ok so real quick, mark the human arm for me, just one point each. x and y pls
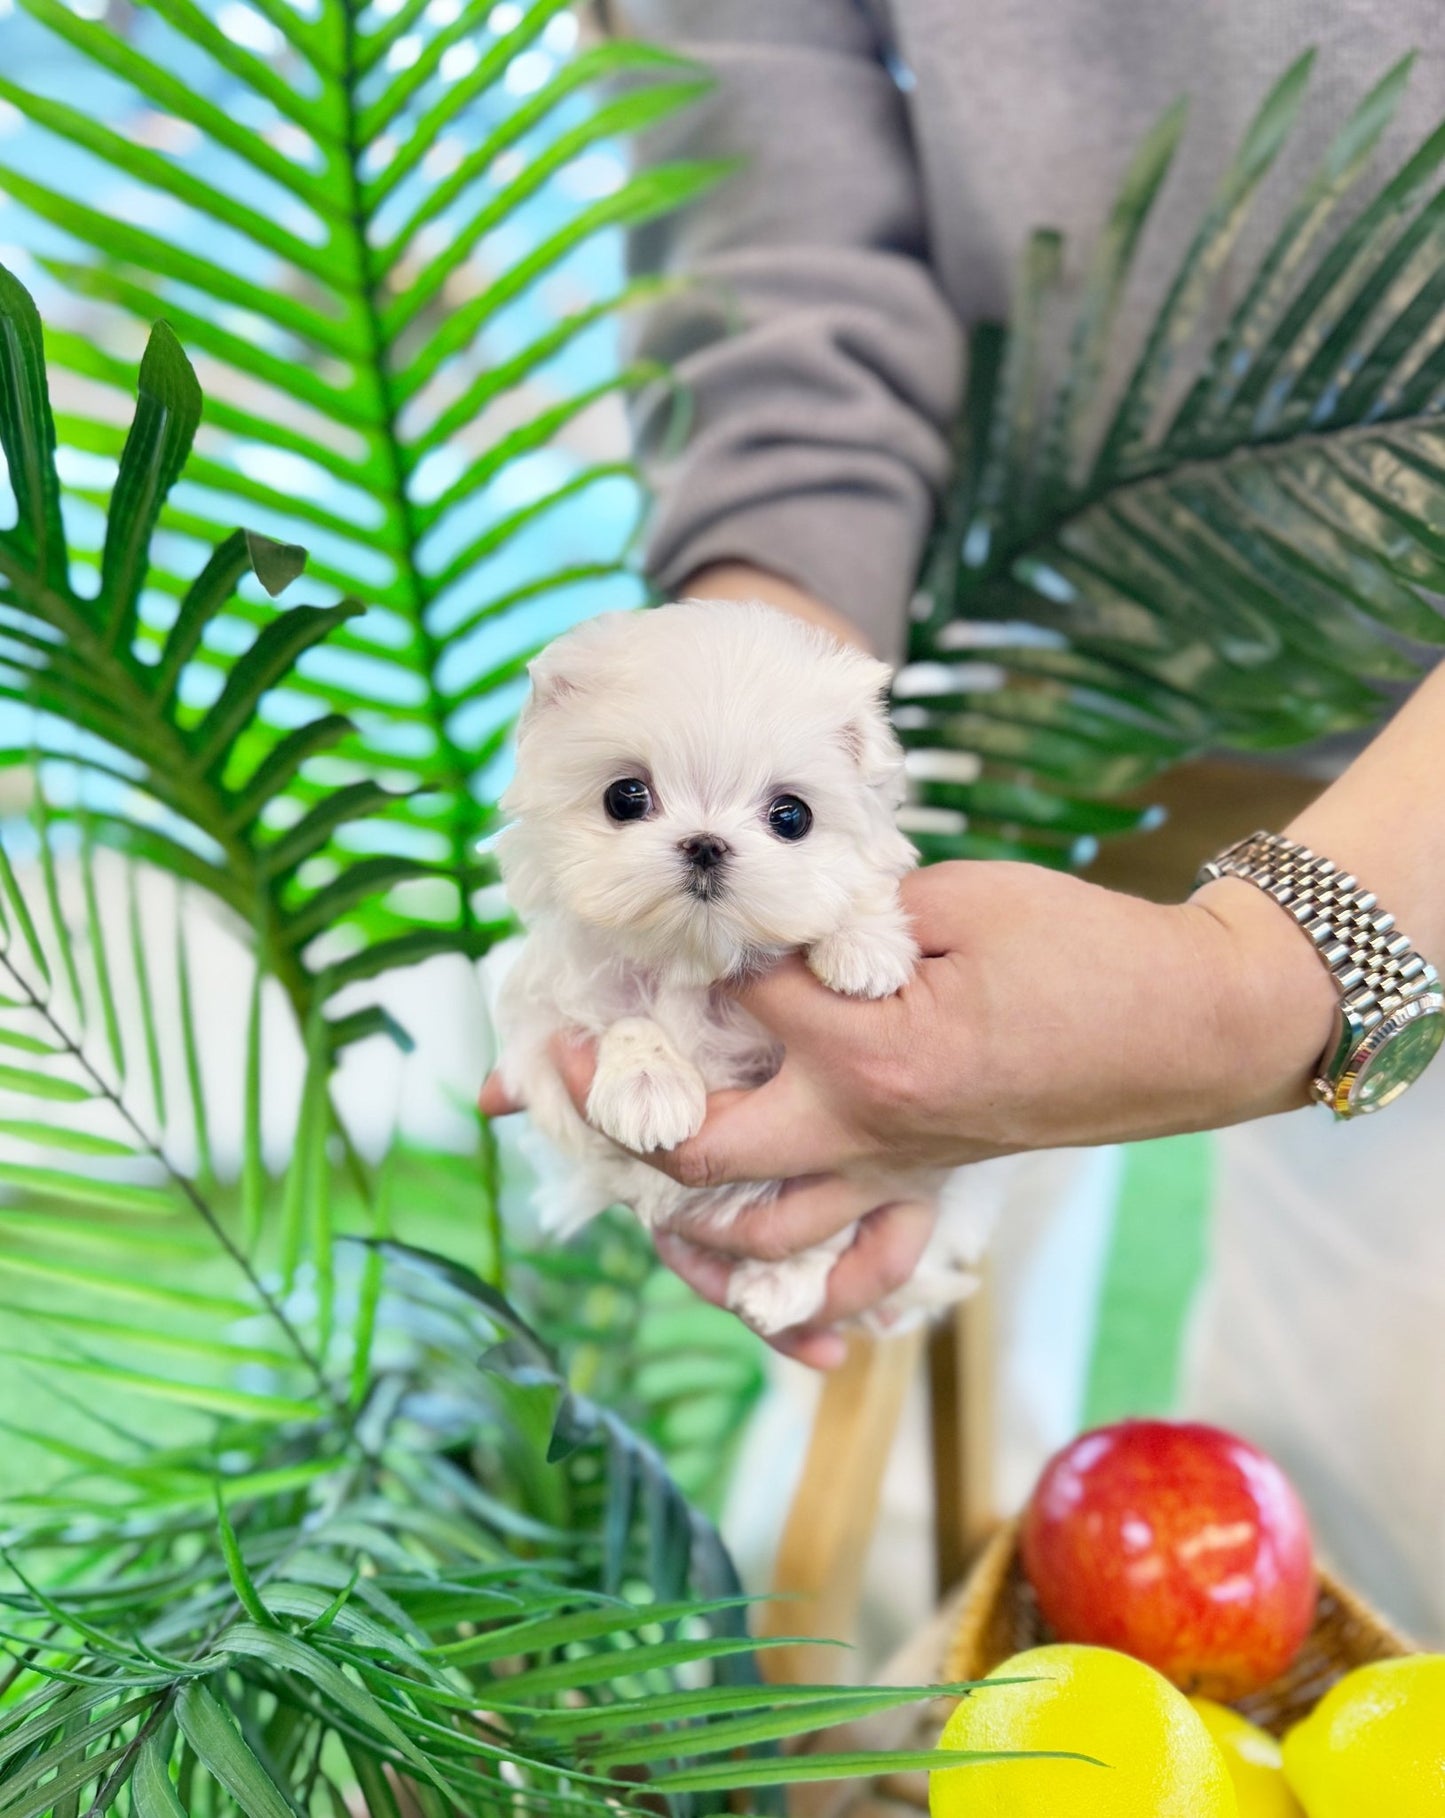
(818, 358)
(1048, 1012)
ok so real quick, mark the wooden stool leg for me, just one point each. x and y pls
(819, 1570)
(960, 1381)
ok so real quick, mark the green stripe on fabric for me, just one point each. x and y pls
(1155, 1264)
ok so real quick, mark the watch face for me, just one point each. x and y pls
(1398, 1062)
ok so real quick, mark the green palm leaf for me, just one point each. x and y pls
(1236, 552)
(378, 1541)
(212, 772)
(370, 211)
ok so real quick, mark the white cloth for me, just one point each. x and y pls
(1321, 1333)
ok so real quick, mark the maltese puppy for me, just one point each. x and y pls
(699, 790)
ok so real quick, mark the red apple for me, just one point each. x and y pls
(1179, 1544)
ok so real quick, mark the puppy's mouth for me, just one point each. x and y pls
(703, 886)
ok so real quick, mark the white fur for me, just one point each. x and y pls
(719, 707)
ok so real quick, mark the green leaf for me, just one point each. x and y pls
(27, 432)
(275, 565)
(208, 1397)
(153, 1792)
(1239, 577)
(1233, 355)
(140, 969)
(803, 1769)
(1211, 246)
(1003, 473)
(167, 414)
(221, 1750)
(351, 802)
(734, 1730)
(85, 1189)
(289, 1654)
(76, 1775)
(241, 1580)
(99, 953)
(211, 592)
(268, 661)
(15, 897)
(1063, 462)
(27, 1081)
(190, 1045)
(253, 1164)
(277, 771)
(64, 1136)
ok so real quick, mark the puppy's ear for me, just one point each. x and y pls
(570, 663)
(867, 733)
(553, 676)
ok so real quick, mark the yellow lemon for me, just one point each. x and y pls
(1374, 1743)
(1254, 1760)
(1158, 1759)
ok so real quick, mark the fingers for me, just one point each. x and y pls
(769, 1132)
(495, 1100)
(881, 1259)
(576, 1062)
(804, 1214)
(705, 1271)
(776, 1131)
(707, 1274)
(818, 1350)
(795, 1006)
(941, 899)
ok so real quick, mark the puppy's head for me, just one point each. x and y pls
(704, 783)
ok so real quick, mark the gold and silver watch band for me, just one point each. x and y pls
(1378, 973)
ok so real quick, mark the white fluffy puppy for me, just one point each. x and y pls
(699, 789)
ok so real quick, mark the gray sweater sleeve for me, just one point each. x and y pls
(821, 361)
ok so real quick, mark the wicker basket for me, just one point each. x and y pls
(998, 1616)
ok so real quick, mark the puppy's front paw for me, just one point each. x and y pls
(865, 962)
(655, 1107)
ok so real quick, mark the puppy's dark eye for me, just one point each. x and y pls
(789, 817)
(628, 800)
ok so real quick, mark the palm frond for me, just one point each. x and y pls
(298, 1613)
(356, 216)
(330, 1533)
(684, 1376)
(193, 778)
(1238, 550)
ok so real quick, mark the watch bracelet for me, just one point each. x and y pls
(1375, 967)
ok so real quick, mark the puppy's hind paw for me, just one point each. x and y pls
(865, 962)
(773, 1297)
(655, 1108)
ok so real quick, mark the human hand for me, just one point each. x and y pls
(1045, 1012)
(891, 1234)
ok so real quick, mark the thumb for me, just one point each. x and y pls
(495, 1100)
(795, 1006)
(776, 1131)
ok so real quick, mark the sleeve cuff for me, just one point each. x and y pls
(857, 553)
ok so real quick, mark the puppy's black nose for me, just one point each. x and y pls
(704, 851)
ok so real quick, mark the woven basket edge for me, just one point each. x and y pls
(967, 1656)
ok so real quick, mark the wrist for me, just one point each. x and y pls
(744, 581)
(1274, 1005)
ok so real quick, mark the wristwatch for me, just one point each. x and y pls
(1391, 1018)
